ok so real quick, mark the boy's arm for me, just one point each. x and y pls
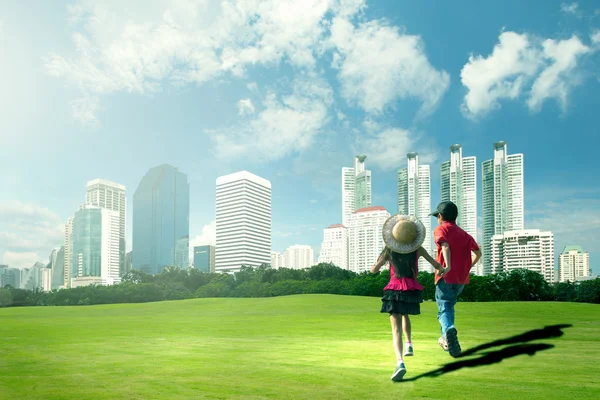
(476, 257)
(423, 253)
(446, 253)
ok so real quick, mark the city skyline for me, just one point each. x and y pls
(292, 111)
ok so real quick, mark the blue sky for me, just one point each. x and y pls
(291, 91)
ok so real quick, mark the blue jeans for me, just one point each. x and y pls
(446, 296)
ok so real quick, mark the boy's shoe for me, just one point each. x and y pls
(399, 373)
(409, 351)
(452, 340)
(443, 344)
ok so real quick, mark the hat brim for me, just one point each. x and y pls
(434, 214)
(393, 244)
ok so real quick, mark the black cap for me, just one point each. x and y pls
(448, 209)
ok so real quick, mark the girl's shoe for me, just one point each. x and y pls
(409, 351)
(399, 373)
(443, 344)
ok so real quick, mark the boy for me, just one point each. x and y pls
(454, 247)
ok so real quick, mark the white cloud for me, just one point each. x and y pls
(26, 231)
(387, 148)
(570, 8)
(499, 76)
(85, 111)
(208, 237)
(284, 125)
(595, 36)
(517, 62)
(245, 107)
(379, 65)
(558, 78)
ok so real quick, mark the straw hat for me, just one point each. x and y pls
(403, 233)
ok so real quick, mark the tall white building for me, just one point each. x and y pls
(243, 221)
(106, 194)
(531, 249)
(458, 180)
(573, 263)
(414, 196)
(94, 247)
(334, 248)
(365, 239)
(356, 188)
(276, 260)
(503, 197)
(67, 270)
(298, 257)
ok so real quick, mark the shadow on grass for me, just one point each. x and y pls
(493, 357)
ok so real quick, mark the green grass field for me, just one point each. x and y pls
(293, 347)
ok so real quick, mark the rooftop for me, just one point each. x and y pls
(369, 209)
(335, 226)
(105, 182)
(577, 248)
(243, 175)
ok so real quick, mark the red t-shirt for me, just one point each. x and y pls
(461, 244)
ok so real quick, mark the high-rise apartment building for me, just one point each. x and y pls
(334, 248)
(414, 197)
(161, 219)
(573, 263)
(276, 260)
(57, 266)
(67, 256)
(182, 253)
(530, 249)
(356, 188)
(298, 257)
(365, 239)
(95, 247)
(243, 221)
(106, 194)
(502, 198)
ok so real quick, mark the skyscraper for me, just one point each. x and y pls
(356, 188)
(95, 246)
(182, 253)
(276, 260)
(365, 239)
(110, 195)
(57, 264)
(458, 179)
(573, 263)
(161, 210)
(502, 197)
(334, 248)
(243, 221)
(67, 270)
(414, 197)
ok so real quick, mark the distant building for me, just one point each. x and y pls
(356, 188)
(334, 248)
(503, 198)
(182, 253)
(57, 267)
(573, 264)
(110, 195)
(128, 261)
(95, 246)
(161, 211)
(298, 257)
(414, 198)
(243, 221)
(204, 258)
(10, 276)
(276, 260)
(32, 278)
(531, 249)
(67, 256)
(365, 239)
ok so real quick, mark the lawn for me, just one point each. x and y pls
(292, 347)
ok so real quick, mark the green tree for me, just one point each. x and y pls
(5, 297)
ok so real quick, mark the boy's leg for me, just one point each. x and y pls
(445, 298)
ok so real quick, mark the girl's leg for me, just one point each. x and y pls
(406, 327)
(396, 320)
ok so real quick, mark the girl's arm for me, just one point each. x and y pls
(423, 253)
(383, 258)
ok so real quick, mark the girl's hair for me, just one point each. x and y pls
(404, 264)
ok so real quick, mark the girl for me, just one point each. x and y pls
(403, 236)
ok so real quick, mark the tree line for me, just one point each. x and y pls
(177, 284)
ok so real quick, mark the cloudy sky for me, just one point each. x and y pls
(292, 90)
